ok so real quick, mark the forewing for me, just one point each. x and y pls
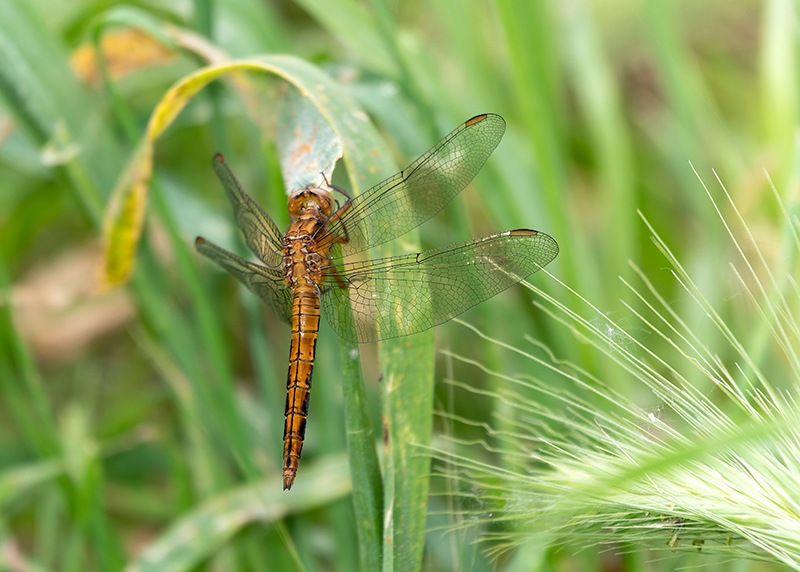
(264, 282)
(260, 233)
(403, 295)
(412, 196)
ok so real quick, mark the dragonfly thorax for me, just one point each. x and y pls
(310, 202)
(303, 257)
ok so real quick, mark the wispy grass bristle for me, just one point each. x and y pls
(708, 461)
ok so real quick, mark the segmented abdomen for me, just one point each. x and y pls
(305, 326)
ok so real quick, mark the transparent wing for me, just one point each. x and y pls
(403, 295)
(412, 196)
(264, 282)
(260, 233)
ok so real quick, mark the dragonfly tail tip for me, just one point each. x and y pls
(288, 479)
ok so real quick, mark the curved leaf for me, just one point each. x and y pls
(200, 533)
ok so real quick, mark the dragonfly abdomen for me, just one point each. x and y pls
(305, 327)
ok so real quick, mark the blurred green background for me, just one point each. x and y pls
(125, 414)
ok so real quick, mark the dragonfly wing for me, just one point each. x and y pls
(264, 282)
(403, 295)
(412, 196)
(260, 233)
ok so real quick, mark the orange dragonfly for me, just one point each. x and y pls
(371, 300)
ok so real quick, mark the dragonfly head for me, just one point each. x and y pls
(311, 200)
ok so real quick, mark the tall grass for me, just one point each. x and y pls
(146, 422)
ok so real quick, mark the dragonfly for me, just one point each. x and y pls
(310, 269)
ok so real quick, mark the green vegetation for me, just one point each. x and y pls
(636, 409)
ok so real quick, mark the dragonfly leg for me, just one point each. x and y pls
(334, 238)
(335, 188)
(332, 271)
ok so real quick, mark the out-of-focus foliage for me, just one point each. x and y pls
(129, 416)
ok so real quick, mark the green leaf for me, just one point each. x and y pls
(16, 482)
(307, 144)
(201, 533)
